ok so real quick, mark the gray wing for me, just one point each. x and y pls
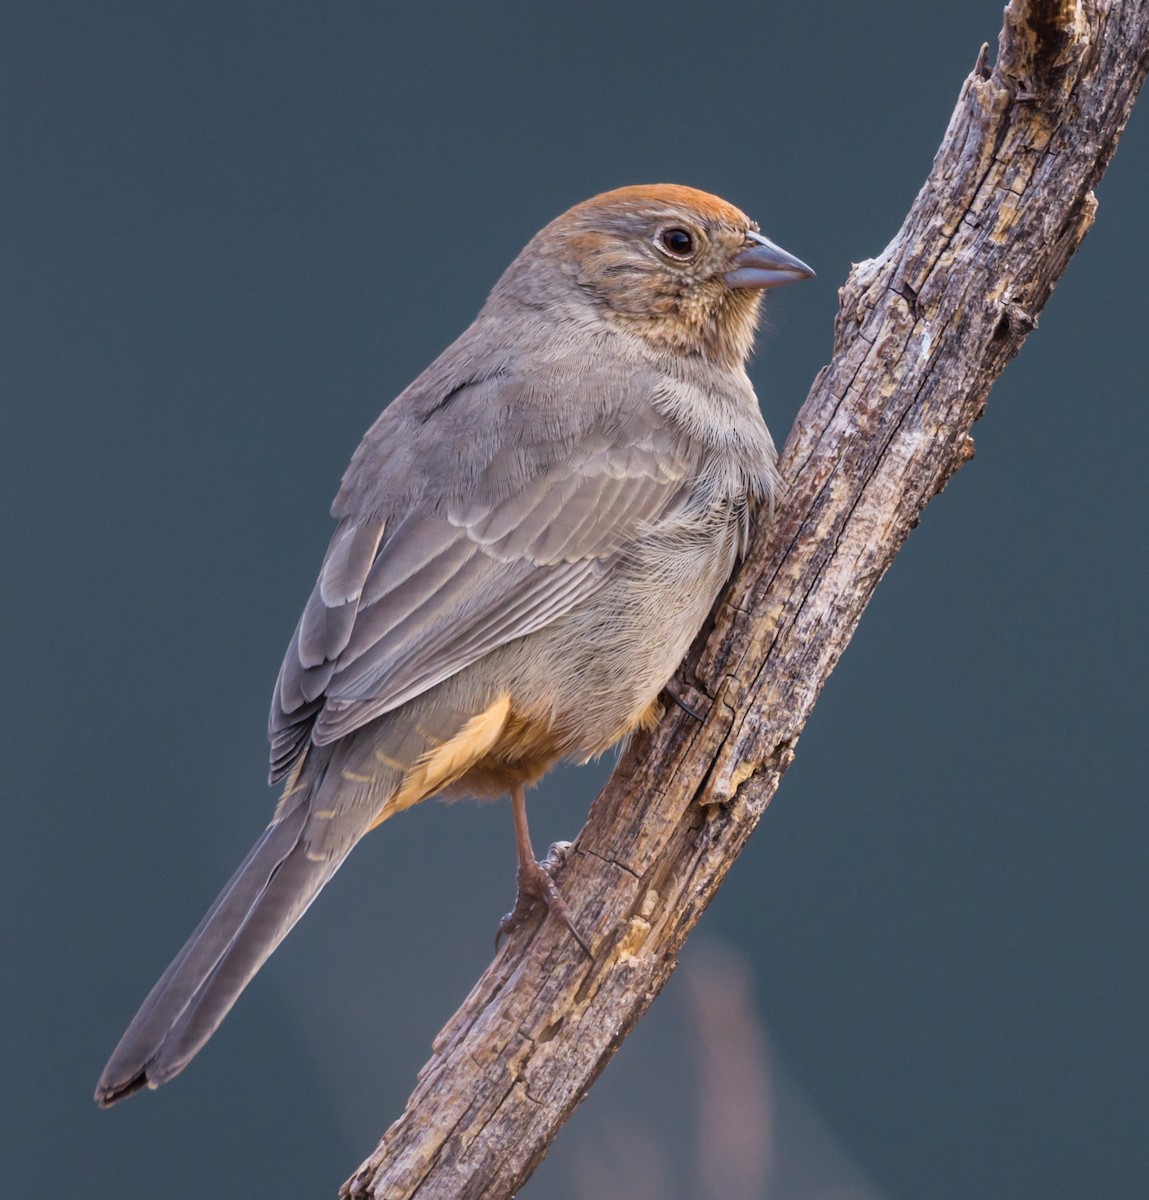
(408, 597)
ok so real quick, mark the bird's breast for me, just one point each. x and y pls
(593, 676)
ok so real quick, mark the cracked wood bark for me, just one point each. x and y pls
(923, 331)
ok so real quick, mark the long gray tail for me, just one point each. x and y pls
(265, 897)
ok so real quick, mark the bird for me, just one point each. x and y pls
(528, 540)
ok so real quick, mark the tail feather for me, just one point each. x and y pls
(339, 795)
(272, 889)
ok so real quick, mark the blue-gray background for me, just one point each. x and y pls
(230, 233)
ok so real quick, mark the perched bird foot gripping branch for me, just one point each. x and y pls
(534, 881)
(528, 540)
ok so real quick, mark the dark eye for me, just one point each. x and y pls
(679, 242)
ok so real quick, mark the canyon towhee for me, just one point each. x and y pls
(529, 539)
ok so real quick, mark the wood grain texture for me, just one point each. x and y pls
(922, 333)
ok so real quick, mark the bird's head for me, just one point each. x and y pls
(679, 268)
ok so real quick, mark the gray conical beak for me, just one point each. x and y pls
(763, 265)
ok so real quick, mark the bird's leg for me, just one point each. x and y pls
(534, 882)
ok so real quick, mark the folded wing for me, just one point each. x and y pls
(408, 598)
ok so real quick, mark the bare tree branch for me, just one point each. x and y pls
(923, 331)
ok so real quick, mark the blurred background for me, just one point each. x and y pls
(230, 233)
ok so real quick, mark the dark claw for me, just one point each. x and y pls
(533, 886)
(682, 704)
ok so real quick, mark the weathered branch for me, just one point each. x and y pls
(923, 331)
